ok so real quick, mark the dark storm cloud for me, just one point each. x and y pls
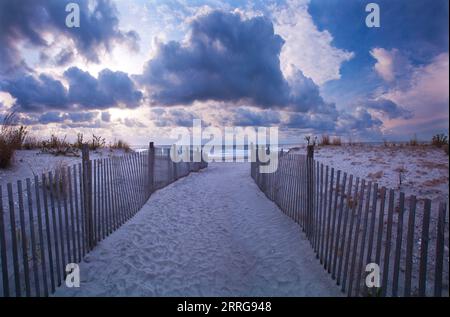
(50, 117)
(173, 117)
(42, 93)
(87, 117)
(64, 57)
(244, 117)
(388, 108)
(319, 123)
(28, 21)
(227, 58)
(111, 88)
(34, 93)
(359, 120)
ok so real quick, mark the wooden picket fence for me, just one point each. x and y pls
(351, 222)
(57, 218)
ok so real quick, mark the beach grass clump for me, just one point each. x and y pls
(120, 145)
(11, 139)
(325, 140)
(439, 140)
(413, 141)
(336, 141)
(58, 146)
(97, 142)
(31, 143)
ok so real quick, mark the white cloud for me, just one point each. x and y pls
(425, 92)
(390, 64)
(307, 48)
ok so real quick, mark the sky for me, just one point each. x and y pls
(137, 69)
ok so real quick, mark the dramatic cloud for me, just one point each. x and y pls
(227, 58)
(388, 108)
(31, 21)
(425, 94)
(64, 57)
(359, 122)
(173, 117)
(319, 123)
(59, 117)
(110, 89)
(244, 117)
(390, 64)
(306, 48)
(36, 93)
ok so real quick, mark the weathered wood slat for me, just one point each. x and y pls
(64, 192)
(23, 238)
(324, 217)
(350, 236)
(48, 227)
(380, 225)
(353, 266)
(58, 265)
(77, 212)
(34, 255)
(440, 245)
(72, 216)
(410, 246)
(361, 263)
(339, 223)
(3, 253)
(329, 212)
(398, 245)
(387, 250)
(57, 187)
(333, 224)
(12, 220)
(41, 235)
(424, 248)
(344, 239)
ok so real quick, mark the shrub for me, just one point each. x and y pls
(31, 143)
(325, 140)
(439, 140)
(97, 142)
(120, 145)
(79, 142)
(11, 139)
(57, 146)
(414, 141)
(59, 182)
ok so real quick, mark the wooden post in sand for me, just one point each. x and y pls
(151, 167)
(87, 195)
(310, 189)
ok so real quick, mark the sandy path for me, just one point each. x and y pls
(210, 234)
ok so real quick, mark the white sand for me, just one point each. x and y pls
(424, 169)
(27, 163)
(212, 233)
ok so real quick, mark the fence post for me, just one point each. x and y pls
(174, 165)
(310, 188)
(151, 167)
(87, 192)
